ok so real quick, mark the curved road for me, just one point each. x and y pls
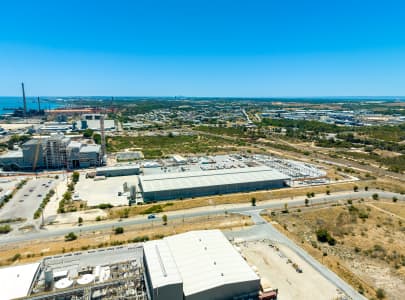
(275, 204)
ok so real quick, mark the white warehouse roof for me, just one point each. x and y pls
(172, 181)
(161, 264)
(16, 281)
(205, 260)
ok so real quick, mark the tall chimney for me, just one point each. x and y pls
(25, 101)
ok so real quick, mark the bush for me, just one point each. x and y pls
(5, 229)
(323, 236)
(75, 176)
(355, 188)
(105, 205)
(394, 199)
(119, 230)
(98, 218)
(253, 201)
(80, 220)
(380, 293)
(15, 257)
(70, 237)
(375, 196)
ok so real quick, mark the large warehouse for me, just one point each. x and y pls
(204, 183)
(198, 265)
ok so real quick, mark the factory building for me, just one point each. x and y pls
(92, 121)
(198, 265)
(53, 152)
(204, 183)
(119, 170)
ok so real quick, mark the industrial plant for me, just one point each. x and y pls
(56, 151)
(155, 270)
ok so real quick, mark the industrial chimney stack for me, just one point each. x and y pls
(25, 100)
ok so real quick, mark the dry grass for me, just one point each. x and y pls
(33, 250)
(394, 208)
(370, 252)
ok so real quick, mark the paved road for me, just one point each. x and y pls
(275, 204)
(264, 230)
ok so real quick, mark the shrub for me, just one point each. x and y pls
(105, 205)
(355, 188)
(119, 230)
(80, 220)
(375, 196)
(394, 199)
(70, 237)
(15, 257)
(5, 229)
(380, 293)
(253, 201)
(324, 236)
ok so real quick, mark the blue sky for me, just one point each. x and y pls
(203, 48)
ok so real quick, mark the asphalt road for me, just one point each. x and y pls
(49, 233)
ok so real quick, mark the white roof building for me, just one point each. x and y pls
(203, 183)
(16, 281)
(208, 265)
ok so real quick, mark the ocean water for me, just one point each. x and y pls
(32, 103)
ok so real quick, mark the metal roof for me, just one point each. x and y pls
(204, 259)
(173, 181)
(88, 148)
(16, 281)
(161, 265)
(118, 167)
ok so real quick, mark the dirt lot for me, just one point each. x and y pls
(31, 251)
(370, 249)
(274, 263)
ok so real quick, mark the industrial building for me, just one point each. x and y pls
(167, 186)
(118, 170)
(53, 152)
(189, 266)
(198, 265)
(17, 281)
(92, 121)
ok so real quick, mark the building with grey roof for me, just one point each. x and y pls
(205, 183)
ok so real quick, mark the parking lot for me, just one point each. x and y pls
(27, 200)
(96, 192)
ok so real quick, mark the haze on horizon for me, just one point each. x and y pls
(203, 48)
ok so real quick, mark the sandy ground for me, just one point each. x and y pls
(271, 263)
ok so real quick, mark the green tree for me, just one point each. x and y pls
(88, 133)
(366, 188)
(164, 219)
(394, 199)
(119, 230)
(380, 293)
(97, 138)
(355, 188)
(375, 196)
(75, 176)
(327, 192)
(80, 220)
(71, 236)
(306, 202)
(253, 201)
